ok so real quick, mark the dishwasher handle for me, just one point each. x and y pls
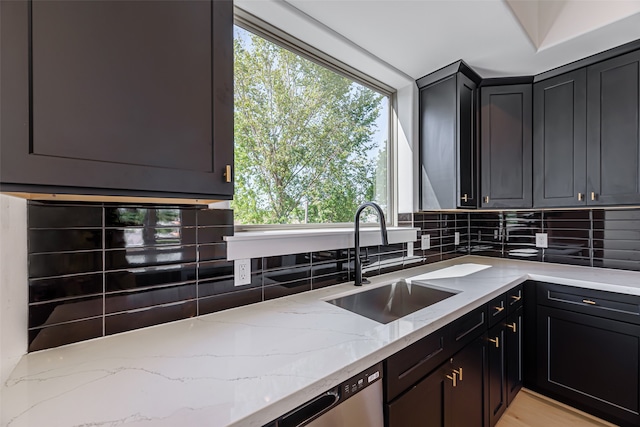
(311, 410)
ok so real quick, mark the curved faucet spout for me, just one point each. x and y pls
(383, 231)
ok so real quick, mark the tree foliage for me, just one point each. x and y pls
(303, 136)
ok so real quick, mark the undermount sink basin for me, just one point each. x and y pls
(388, 303)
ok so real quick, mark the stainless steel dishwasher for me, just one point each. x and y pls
(356, 402)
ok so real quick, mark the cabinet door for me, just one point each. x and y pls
(448, 154)
(559, 140)
(590, 363)
(464, 404)
(437, 145)
(422, 405)
(466, 146)
(496, 348)
(505, 146)
(613, 131)
(118, 97)
(513, 349)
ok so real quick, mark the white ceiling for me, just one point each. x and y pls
(412, 38)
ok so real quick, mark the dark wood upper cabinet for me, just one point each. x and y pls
(613, 131)
(448, 146)
(117, 98)
(505, 146)
(559, 140)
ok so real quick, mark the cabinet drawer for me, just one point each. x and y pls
(409, 365)
(467, 328)
(515, 299)
(605, 304)
(497, 308)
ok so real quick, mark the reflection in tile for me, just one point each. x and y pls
(124, 301)
(286, 275)
(329, 256)
(623, 245)
(572, 215)
(559, 259)
(55, 336)
(213, 269)
(213, 234)
(53, 215)
(212, 252)
(128, 216)
(616, 234)
(226, 284)
(229, 300)
(318, 282)
(58, 264)
(289, 288)
(61, 311)
(208, 217)
(116, 259)
(329, 268)
(614, 254)
(64, 287)
(62, 240)
(391, 267)
(281, 261)
(123, 322)
(617, 263)
(145, 237)
(137, 278)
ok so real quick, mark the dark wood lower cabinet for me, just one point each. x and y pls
(514, 349)
(421, 405)
(497, 378)
(590, 363)
(464, 401)
(504, 372)
(451, 396)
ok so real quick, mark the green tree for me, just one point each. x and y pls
(303, 135)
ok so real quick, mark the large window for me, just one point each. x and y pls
(310, 143)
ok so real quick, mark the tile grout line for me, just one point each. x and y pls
(197, 216)
(591, 237)
(104, 278)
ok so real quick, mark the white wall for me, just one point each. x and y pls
(407, 101)
(13, 283)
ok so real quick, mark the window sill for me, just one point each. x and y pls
(256, 244)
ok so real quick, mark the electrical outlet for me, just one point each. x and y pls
(425, 242)
(456, 238)
(541, 240)
(242, 272)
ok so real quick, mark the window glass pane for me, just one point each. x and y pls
(310, 144)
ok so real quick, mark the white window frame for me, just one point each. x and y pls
(273, 34)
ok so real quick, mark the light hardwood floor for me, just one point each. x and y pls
(530, 409)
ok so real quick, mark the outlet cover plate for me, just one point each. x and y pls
(242, 272)
(456, 238)
(425, 241)
(541, 240)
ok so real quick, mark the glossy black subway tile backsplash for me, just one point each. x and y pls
(96, 269)
(607, 238)
(99, 269)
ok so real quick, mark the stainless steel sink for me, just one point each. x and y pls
(388, 303)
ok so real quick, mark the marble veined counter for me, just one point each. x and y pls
(247, 366)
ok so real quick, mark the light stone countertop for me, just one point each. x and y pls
(249, 365)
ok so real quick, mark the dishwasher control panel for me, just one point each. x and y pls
(360, 381)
